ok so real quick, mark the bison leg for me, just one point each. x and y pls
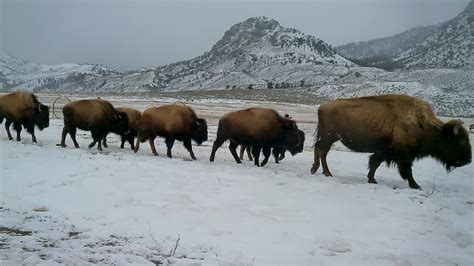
(256, 155)
(189, 147)
(72, 133)
(130, 139)
(217, 143)
(137, 145)
(33, 137)
(233, 151)
(169, 145)
(249, 153)
(326, 171)
(374, 162)
(151, 140)
(122, 144)
(17, 127)
(104, 141)
(97, 138)
(316, 162)
(242, 151)
(7, 128)
(404, 168)
(266, 152)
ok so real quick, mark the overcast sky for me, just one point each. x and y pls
(130, 34)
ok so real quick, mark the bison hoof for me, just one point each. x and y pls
(415, 186)
(61, 145)
(10, 138)
(372, 181)
(328, 174)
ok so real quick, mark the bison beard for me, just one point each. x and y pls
(397, 129)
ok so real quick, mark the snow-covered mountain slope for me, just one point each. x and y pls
(15, 72)
(256, 51)
(450, 46)
(446, 45)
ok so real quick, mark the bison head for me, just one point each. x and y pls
(42, 116)
(454, 149)
(294, 138)
(120, 124)
(199, 131)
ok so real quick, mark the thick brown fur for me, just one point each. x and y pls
(23, 109)
(172, 122)
(397, 129)
(259, 128)
(97, 116)
(133, 121)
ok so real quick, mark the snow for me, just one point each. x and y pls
(116, 207)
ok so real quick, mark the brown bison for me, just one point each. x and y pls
(97, 116)
(133, 120)
(395, 128)
(259, 128)
(172, 122)
(278, 153)
(23, 109)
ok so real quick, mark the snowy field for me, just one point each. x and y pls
(79, 206)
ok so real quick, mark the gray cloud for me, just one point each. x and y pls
(131, 34)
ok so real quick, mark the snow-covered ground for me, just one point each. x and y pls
(79, 206)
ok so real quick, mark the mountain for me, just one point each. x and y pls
(256, 51)
(446, 45)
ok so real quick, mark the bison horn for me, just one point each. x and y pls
(457, 127)
(39, 108)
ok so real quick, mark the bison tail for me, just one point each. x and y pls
(317, 136)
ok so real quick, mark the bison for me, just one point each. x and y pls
(23, 109)
(278, 153)
(133, 120)
(396, 129)
(97, 116)
(259, 128)
(172, 122)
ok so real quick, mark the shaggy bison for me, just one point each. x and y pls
(97, 116)
(278, 153)
(259, 128)
(23, 109)
(172, 122)
(395, 128)
(133, 120)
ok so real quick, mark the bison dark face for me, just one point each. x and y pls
(199, 131)
(42, 116)
(120, 124)
(455, 149)
(294, 141)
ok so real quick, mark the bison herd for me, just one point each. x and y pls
(396, 129)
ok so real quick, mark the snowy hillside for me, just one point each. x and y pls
(256, 51)
(78, 206)
(446, 45)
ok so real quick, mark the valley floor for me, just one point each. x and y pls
(81, 206)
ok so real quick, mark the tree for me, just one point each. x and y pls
(270, 85)
(302, 83)
(250, 87)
